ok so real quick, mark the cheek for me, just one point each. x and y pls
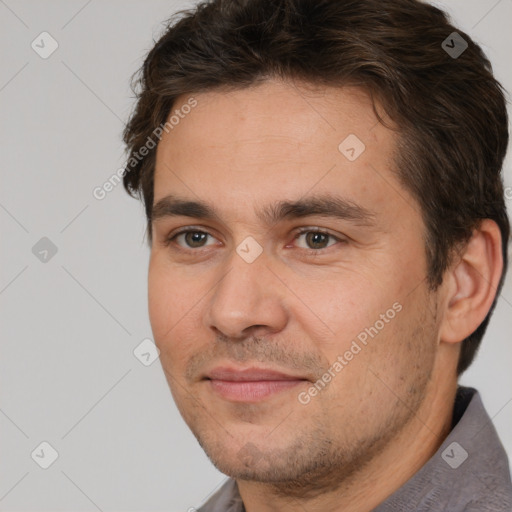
(390, 370)
(401, 356)
(368, 327)
(173, 303)
(160, 302)
(335, 309)
(168, 300)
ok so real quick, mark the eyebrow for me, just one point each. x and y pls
(323, 206)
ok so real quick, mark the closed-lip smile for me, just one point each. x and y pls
(250, 384)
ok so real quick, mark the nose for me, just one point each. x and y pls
(248, 300)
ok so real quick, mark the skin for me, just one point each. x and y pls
(299, 306)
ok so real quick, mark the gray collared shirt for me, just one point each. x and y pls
(469, 472)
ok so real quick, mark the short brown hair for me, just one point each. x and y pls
(450, 110)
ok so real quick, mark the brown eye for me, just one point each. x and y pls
(195, 238)
(190, 239)
(316, 240)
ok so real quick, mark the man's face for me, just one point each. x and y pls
(219, 306)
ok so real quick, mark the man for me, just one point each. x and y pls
(328, 237)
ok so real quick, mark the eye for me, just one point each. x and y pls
(190, 239)
(315, 239)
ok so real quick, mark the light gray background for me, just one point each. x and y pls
(70, 325)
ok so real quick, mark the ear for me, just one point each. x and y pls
(472, 283)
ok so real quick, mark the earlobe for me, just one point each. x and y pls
(472, 283)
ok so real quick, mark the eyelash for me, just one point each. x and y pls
(169, 240)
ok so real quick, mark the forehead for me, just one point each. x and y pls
(279, 112)
(273, 141)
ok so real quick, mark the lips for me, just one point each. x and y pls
(248, 375)
(250, 384)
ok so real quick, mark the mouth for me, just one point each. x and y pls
(250, 384)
